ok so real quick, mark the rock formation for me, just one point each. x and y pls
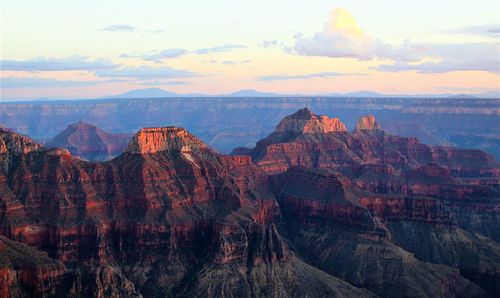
(152, 140)
(367, 123)
(304, 121)
(313, 210)
(88, 142)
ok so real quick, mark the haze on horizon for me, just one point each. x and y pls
(75, 49)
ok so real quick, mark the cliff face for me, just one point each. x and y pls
(89, 142)
(152, 140)
(305, 121)
(393, 187)
(320, 213)
(13, 143)
(368, 144)
(367, 123)
(168, 217)
(24, 271)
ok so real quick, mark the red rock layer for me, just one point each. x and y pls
(304, 121)
(367, 123)
(405, 209)
(345, 151)
(172, 206)
(171, 217)
(152, 140)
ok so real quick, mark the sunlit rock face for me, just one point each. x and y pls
(152, 140)
(367, 123)
(304, 121)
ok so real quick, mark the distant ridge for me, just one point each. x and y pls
(146, 93)
(157, 92)
(251, 93)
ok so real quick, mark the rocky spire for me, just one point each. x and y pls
(155, 139)
(305, 121)
(367, 123)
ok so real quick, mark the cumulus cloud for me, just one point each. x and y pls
(223, 48)
(145, 72)
(35, 82)
(340, 37)
(120, 27)
(279, 77)
(57, 64)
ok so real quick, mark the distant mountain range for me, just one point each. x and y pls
(157, 92)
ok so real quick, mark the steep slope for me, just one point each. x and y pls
(323, 213)
(89, 142)
(169, 217)
(429, 201)
(26, 272)
(367, 240)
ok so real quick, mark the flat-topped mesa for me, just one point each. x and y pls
(367, 123)
(305, 121)
(155, 139)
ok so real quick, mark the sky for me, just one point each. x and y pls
(88, 49)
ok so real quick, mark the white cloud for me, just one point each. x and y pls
(35, 82)
(485, 30)
(453, 57)
(217, 49)
(165, 54)
(340, 37)
(57, 64)
(280, 77)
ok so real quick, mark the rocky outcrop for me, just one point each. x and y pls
(304, 121)
(368, 144)
(88, 142)
(367, 123)
(152, 140)
(13, 143)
